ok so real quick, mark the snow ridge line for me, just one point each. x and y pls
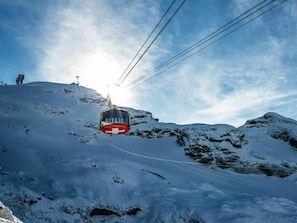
(181, 162)
(151, 157)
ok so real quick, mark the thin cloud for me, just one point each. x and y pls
(236, 78)
(91, 39)
(220, 90)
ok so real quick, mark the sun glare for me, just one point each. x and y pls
(120, 96)
(105, 85)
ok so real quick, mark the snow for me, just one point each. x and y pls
(56, 166)
(6, 215)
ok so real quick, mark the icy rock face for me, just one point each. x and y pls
(155, 132)
(139, 116)
(277, 126)
(6, 215)
(213, 145)
(227, 147)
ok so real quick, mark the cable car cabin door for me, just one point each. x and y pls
(114, 121)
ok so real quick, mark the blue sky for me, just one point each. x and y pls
(246, 74)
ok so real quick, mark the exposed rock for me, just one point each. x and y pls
(219, 145)
(108, 211)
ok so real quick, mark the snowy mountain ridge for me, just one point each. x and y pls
(56, 166)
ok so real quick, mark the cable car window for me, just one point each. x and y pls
(116, 116)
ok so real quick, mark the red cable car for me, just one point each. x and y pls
(114, 121)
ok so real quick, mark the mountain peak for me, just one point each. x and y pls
(268, 118)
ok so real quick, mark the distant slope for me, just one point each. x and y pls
(56, 166)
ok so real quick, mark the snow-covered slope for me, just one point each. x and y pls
(56, 166)
(6, 215)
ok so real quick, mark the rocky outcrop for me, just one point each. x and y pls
(277, 126)
(223, 146)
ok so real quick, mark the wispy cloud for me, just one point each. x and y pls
(93, 39)
(238, 78)
(243, 82)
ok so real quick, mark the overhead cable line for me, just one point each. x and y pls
(146, 40)
(205, 39)
(189, 51)
(123, 78)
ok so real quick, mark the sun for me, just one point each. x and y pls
(105, 85)
(120, 96)
(100, 70)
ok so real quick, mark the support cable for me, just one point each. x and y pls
(189, 51)
(123, 79)
(170, 6)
